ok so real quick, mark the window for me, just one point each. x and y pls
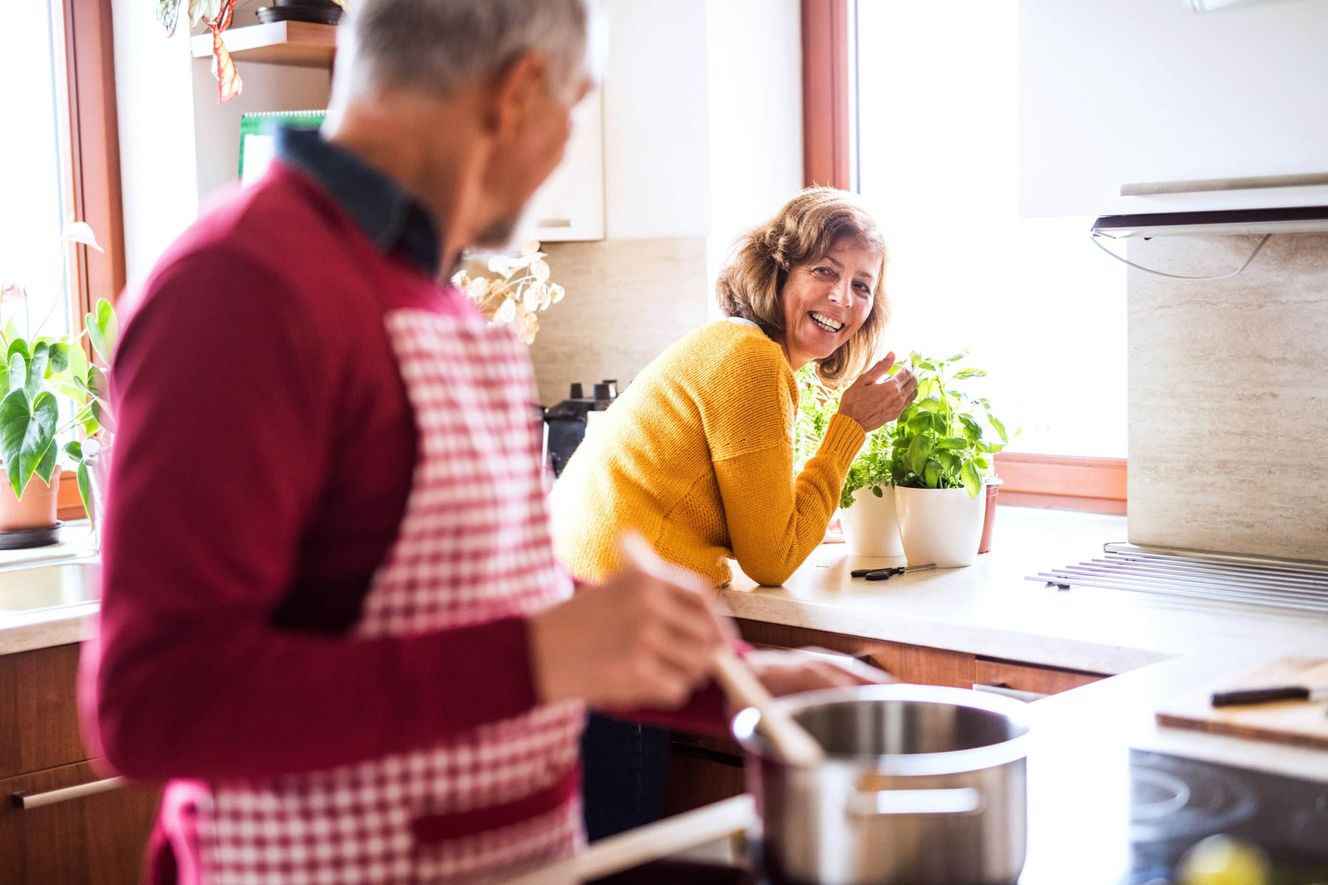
(59, 160)
(31, 156)
(923, 120)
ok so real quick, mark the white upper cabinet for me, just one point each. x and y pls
(570, 205)
(1177, 107)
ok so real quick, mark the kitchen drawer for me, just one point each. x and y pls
(702, 771)
(39, 710)
(1029, 678)
(97, 839)
(907, 663)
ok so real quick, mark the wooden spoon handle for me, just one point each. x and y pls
(790, 740)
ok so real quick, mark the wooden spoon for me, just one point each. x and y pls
(790, 740)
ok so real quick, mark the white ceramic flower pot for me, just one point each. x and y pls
(870, 525)
(941, 526)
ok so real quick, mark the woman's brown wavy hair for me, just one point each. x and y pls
(751, 285)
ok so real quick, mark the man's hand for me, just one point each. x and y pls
(790, 672)
(643, 638)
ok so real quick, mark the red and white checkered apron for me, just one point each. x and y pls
(473, 546)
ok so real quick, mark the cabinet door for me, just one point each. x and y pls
(907, 663)
(1127, 92)
(570, 205)
(97, 839)
(1027, 678)
(38, 710)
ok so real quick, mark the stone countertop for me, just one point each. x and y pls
(991, 609)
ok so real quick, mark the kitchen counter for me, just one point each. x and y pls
(1081, 740)
(1079, 760)
(991, 609)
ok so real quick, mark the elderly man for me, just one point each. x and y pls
(331, 615)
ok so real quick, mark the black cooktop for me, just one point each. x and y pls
(1174, 803)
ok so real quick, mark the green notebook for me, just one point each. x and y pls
(258, 137)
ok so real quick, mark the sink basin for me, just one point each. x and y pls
(37, 586)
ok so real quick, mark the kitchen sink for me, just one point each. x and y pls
(31, 587)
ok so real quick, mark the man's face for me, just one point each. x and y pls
(524, 158)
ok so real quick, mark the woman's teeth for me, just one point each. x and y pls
(826, 323)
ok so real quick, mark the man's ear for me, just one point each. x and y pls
(517, 92)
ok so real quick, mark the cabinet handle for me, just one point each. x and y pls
(1004, 690)
(21, 799)
(554, 222)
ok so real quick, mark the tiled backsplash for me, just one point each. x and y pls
(627, 300)
(1228, 396)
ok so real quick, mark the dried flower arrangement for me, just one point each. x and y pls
(519, 290)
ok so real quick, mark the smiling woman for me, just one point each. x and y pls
(696, 455)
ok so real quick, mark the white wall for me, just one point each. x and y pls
(267, 87)
(754, 62)
(155, 97)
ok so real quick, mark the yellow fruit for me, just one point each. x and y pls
(1222, 860)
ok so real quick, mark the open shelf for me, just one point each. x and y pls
(288, 43)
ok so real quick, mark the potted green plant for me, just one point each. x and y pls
(49, 390)
(941, 462)
(866, 502)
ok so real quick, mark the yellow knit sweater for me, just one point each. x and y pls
(697, 456)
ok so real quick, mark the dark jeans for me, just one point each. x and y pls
(623, 767)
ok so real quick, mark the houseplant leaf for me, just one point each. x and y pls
(27, 436)
(18, 371)
(972, 482)
(41, 357)
(103, 330)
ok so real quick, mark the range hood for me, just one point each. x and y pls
(1288, 220)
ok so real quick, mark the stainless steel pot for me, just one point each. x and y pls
(921, 784)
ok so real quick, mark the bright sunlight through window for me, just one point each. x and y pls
(1039, 307)
(31, 253)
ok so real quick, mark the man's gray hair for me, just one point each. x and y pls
(437, 46)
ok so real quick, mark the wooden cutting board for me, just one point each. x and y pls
(1304, 723)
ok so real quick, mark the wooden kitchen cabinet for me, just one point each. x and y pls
(98, 838)
(907, 663)
(39, 710)
(1029, 678)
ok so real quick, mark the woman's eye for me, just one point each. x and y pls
(823, 271)
(863, 288)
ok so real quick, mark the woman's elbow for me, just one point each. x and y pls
(767, 574)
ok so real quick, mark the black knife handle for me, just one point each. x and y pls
(862, 572)
(1260, 695)
(884, 574)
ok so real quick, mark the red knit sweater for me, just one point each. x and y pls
(261, 465)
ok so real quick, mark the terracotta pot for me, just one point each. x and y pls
(36, 509)
(989, 518)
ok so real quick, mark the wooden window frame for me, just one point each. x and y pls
(91, 166)
(1058, 481)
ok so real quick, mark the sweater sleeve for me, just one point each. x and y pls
(224, 403)
(774, 521)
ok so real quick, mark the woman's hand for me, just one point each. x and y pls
(790, 672)
(874, 399)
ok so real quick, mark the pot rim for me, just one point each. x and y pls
(745, 723)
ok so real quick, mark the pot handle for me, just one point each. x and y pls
(959, 800)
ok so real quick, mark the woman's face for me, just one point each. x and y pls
(827, 300)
